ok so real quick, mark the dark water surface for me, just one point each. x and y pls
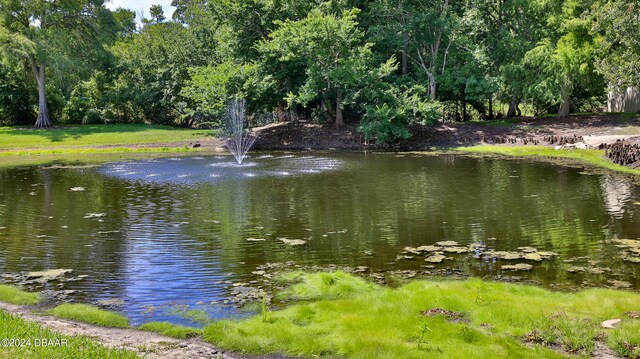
(159, 234)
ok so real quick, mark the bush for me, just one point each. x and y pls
(93, 117)
(17, 98)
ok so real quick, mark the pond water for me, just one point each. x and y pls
(162, 235)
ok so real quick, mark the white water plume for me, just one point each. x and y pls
(239, 140)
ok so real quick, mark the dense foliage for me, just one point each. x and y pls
(381, 64)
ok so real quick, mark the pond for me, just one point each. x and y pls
(157, 238)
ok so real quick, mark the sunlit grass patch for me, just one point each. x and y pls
(88, 314)
(324, 285)
(625, 340)
(496, 320)
(69, 347)
(170, 330)
(13, 295)
(592, 157)
(95, 135)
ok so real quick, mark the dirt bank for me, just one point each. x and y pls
(587, 131)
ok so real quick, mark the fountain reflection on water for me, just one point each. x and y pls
(239, 140)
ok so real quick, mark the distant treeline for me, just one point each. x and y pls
(382, 64)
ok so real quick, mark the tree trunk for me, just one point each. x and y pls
(432, 85)
(512, 106)
(463, 98)
(404, 57)
(491, 107)
(339, 120)
(565, 107)
(44, 120)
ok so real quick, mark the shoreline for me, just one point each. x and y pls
(527, 138)
(479, 322)
(147, 344)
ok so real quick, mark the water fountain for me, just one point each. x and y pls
(239, 140)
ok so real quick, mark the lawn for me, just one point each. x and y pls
(20, 138)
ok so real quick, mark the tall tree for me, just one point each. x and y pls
(419, 29)
(565, 56)
(53, 35)
(617, 29)
(331, 50)
(157, 14)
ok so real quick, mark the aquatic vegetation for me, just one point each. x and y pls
(631, 249)
(13, 295)
(170, 330)
(49, 274)
(323, 285)
(380, 322)
(436, 258)
(292, 242)
(194, 315)
(88, 314)
(77, 347)
(517, 267)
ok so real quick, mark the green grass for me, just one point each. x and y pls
(591, 157)
(76, 347)
(194, 315)
(15, 138)
(87, 157)
(88, 314)
(498, 320)
(13, 295)
(625, 340)
(170, 330)
(323, 285)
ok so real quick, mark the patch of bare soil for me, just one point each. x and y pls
(147, 344)
(308, 136)
(587, 131)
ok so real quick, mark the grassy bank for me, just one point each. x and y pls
(170, 330)
(32, 338)
(13, 295)
(19, 138)
(590, 157)
(94, 144)
(88, 314)
(345, 316)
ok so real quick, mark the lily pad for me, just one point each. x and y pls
(547, 254)
(405, 257)
(436, 258)
(533, 256)
(504, 255)
(447, 243)
(47, 275)
(527, 249)
(114, 302)
(411, 250)
(619, 284)
(518, 267)
(456, 249)
(293, 242)
(428, 249)
(631, 259)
